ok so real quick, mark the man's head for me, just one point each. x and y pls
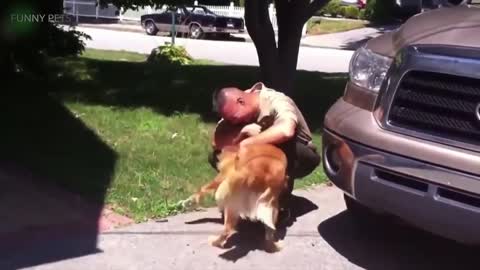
(235, 105)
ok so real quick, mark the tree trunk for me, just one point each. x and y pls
(261, 31)
(278, 64)
(290, 26)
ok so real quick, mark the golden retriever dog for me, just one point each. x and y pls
(248, 186)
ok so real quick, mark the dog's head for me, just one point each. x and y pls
(225, 135)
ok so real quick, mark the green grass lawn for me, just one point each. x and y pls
(131, 134)
(325, 26)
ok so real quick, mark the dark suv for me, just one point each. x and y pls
(405, 137)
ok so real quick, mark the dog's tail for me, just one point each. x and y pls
(266, 210)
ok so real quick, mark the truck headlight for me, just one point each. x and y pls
(368, 69)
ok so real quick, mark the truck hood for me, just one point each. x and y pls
(459, 26)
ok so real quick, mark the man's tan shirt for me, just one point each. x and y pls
(276, 107)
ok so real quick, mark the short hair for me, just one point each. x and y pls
(219, 98)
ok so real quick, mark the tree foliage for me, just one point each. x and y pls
(27, 43)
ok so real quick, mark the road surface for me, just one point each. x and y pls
(238, 53)
(323, 236)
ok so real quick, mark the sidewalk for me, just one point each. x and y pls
(181, 242)
(321, 235)
(349, 40)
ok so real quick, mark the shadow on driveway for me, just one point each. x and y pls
(48, 157)
(385, 245)
(250, 236)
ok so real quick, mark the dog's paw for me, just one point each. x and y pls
(188, 204)
(217, 241)
(272, 246)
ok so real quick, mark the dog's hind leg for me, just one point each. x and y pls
(271, 244)
(231, 221)
(267, 207)
(268, 214)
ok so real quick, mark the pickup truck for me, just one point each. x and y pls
(404, 139)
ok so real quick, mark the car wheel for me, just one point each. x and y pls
(150, 28)
(196, 31)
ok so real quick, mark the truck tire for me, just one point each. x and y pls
(195, 31)
(150, 28)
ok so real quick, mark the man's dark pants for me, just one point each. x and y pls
(302, 160)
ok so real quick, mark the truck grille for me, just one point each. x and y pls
(441, 105)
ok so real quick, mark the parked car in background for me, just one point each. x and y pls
(196, 21)
(357, 3)
(404, 140)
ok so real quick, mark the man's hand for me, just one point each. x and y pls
(245, 143)
(248, 131)
(251, 130)
(276, 134)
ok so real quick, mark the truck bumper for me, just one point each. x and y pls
(426, 195)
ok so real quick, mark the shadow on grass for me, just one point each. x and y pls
(169, 89)
(44, 146)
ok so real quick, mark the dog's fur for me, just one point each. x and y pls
(248, 186)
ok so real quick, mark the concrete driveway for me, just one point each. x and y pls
(323, 236)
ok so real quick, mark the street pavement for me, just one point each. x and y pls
(229, 52)
(347, 40)
(321, 236)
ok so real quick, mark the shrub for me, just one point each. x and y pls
(342, 11)
(361, 14)
(380, 11)
(351, 12)
(333, 8)
(170, 54)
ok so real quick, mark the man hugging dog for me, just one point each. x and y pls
(265, 116)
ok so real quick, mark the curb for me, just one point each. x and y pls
(119, 29)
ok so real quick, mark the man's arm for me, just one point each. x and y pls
(276, 134)
(284, 125)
